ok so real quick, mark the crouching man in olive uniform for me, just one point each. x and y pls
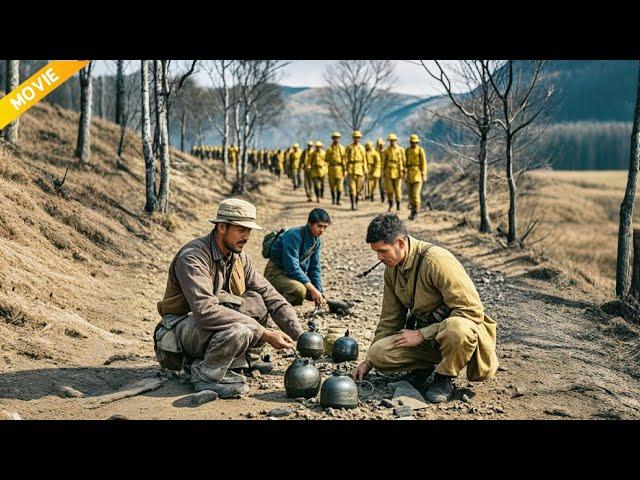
(431, 314)
(216, 305)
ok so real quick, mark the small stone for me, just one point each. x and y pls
(69, 392)
(502, 369)
(117, 416)
(465, 398)
(279, 412)
(519, 392)
(557, 412)
(403, 411)
(498, 409)
(256, 373)
(387, 403)
(196, 399)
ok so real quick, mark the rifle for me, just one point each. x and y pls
(367, 272)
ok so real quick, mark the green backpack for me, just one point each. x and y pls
(268, 241)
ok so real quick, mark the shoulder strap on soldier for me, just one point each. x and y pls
(415, 280)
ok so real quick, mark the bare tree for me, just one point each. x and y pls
(523, 100)
(358, 92)
(130, 108)
(221, 74)
(625, 231)
(476, 107)
(119, 91)
(147, 148)
(256, 85)
(160, 88)
(13, 80)
(83, 145)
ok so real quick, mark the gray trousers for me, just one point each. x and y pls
(213, 353)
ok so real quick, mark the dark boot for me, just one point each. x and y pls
(322, 191)
(352, 204)
(418, 378)
(440, 390)
(230, 386)
(390, 205)
(317, 190)
(382, 196)
(412, 215)
(356, 202)
(333, 198)
(338, 194)
(398, 205)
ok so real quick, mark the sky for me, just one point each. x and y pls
(412, 79)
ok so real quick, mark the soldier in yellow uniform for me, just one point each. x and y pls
(431, 315)
(295, 156)
(337, 163)
(279, 163)
(393, 166)
(233, 156)
(305, 165)
(318, 170)
(356, 168)
(381, 149)
(416, 173)
(374, 168)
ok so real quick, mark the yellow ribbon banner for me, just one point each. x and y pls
(36, 87)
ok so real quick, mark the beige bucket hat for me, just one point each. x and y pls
(237, 212)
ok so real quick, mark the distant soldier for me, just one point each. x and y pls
(295, 156)
(318, 170)
(381, 149)
(337, 163)
(356, 168)
(233, 156)
(393, 166)
(416, 173)
(279, 163)
(374, 168)
(305, 165)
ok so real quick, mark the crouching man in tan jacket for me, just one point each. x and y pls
(431, 315)
(216, 305)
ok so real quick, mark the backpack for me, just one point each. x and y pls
(269, 240)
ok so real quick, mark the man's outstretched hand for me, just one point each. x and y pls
(277, 339)
(361, 370)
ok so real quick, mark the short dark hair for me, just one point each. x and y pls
(386, 227)
(318, 215)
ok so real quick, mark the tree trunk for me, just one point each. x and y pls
(237, 142)
(511, 236)
(635, 279)
(225, 126)
(485, 222)
(156, 131)
(163, 136)
(147, 148)
(101, 98)
(623, 273)
(120, 92)
(183, 128)
(83, 145)
(13, 80)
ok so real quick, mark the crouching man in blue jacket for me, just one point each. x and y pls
(294, 262)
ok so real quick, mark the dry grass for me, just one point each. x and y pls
(80, 263)
(579, 212)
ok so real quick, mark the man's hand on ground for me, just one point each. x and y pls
(408, 338)
(315, 294)
(278, 340)
(361, 370)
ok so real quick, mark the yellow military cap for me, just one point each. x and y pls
(335, 134)
(369, 145)
(356, 134)
(392, 136)
(295, 145)
(414, 138)
(310, 143)
(380, 141)
(318, 143)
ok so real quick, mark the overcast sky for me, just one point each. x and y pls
(412, 78)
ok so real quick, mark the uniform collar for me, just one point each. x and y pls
(411, 256)
(216, 254)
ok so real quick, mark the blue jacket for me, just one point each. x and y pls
(290, 246)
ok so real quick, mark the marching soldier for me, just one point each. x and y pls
(232, 155)
(305, 164)
(393, 166)
(318, 170)
(356, 168)
(337, 162)
(295, 156)
(416, 173)
(279, 163)
(374, 168)
(380, 149)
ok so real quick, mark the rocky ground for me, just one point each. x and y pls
(560, 358)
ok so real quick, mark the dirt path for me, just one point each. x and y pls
(558, 359)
